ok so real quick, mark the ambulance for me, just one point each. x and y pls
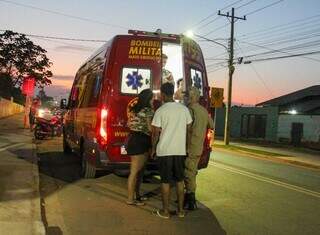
(107, 85)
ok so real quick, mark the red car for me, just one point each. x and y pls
(107, 84)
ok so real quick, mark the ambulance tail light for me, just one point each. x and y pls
(102, 126)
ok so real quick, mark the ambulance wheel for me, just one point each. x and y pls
(87, 170)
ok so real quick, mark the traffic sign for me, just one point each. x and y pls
(216, 97)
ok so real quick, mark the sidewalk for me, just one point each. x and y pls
(19, 180)
(288, 155)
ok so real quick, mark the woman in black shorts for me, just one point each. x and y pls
(139, 143)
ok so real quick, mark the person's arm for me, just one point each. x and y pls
(188, 136)
(190, 119)
(155, 131)
(154, 139)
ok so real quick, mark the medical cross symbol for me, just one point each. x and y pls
(197, 81)
(134, 80)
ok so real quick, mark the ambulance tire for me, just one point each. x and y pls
(87, 170)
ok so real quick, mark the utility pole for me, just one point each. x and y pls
(231, 70)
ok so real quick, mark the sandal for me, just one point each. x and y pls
(135, 203)
(160, 214)
(181, 214)
(142, 198)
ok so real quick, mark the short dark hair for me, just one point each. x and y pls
(167, 89)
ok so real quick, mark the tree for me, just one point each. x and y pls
(20, 57)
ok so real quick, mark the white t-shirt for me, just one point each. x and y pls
(173, 119)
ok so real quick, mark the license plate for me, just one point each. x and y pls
(123, 150)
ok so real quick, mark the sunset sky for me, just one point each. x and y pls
(291, 26)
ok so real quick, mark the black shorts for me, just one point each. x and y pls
(138, 143)
(171, 168)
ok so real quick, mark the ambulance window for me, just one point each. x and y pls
(90, 99)
(196, 80)
(81, 85)
(74, 94)
(134, 80)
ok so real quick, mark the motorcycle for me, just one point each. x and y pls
(47, 124)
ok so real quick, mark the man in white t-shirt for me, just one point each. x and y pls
(170, 126)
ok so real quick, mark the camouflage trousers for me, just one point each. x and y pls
(190, 173)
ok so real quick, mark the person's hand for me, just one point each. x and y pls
(153, 154)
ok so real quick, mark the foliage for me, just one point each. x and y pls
(20, 57)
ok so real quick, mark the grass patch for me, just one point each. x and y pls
(249, 150)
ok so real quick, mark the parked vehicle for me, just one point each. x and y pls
(107, 84)
(47, 124)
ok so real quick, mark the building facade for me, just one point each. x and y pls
(293, 118)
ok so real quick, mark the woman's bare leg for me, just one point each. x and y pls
(137, 162)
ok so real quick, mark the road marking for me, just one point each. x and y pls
(268, 180)
(11, 146)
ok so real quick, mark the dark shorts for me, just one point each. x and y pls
(171, 168)
(138, 143)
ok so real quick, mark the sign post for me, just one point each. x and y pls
(216, 99)
(28, 90)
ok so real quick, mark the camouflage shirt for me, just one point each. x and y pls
(139, 121)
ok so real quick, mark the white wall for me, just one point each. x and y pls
(311, 126)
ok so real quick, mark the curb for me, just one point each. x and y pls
(268, 158)
(39, 227)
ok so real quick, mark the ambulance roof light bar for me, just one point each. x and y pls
(158, 32)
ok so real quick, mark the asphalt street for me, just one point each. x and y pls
(236, 194)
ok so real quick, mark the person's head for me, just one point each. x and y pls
(167, 91)
(194, 95)
(145, 99)
(164, 59)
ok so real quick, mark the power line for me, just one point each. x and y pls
(291, 48)
(64, 14)
(215, 70)
(287, 56)
(257, 10)
(276, 50)
(211, 21)
(264, 31)
(256, 72)
(294, 47)
(212, 14)
(195, 26)
(279, 32)
(262, 8)
(221, 27)
(60, 38)
(246, 4)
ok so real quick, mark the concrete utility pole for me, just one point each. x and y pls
(231, 70)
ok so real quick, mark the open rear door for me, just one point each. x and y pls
(195, 75)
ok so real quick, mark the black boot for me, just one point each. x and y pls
(192, 204)
(186, 200)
